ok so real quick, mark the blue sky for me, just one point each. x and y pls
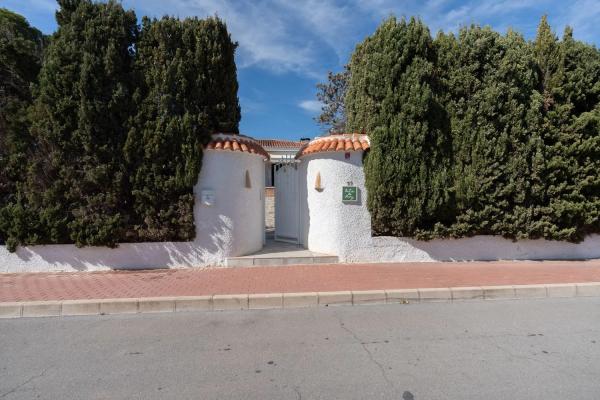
(287, 46)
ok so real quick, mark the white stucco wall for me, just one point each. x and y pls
(333, 227)
(477, 248)
(233, 226)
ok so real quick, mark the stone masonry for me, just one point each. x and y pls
(270, 207)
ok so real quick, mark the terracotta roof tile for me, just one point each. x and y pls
(234, 142)
(280, 143)
(340, 142)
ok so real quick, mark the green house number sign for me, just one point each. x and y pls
(349, 194)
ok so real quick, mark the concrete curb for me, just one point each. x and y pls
(264, 301)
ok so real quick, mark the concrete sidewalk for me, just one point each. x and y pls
(290, 279)
(48, 294)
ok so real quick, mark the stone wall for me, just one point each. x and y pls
(270, 207)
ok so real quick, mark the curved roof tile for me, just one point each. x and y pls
(235, 142)
(278, 143)
(340, 142)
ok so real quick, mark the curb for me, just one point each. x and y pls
(270, 301)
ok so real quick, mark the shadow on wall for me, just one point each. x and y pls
(481, 248)
(211, 247)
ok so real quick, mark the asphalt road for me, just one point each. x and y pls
(534, 349)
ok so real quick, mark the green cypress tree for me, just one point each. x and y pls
(187, 90)
(76, 182)
(569, 78)
(525, 132)
(21, 51)
(548, 58)
(394, 95)
(489, 80)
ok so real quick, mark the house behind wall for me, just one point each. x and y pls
(280, 151)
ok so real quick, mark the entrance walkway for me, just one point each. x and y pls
(280, 253)
(298, 278)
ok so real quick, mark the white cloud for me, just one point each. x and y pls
(335, 24)
(583, 17)
(309, 37)
(312, 106)
(449, 15)
(269, 34)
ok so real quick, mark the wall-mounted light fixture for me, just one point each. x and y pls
(318, 186)
(248, 183)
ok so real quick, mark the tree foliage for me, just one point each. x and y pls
(76, 185)
(394, 95)
(187, 90)
(21, 51)
(332, 95)
(491, 134)
(114, 134)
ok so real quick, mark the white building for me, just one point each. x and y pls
(280, 152)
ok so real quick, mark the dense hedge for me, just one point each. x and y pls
(118, 118)
(478, 133)
(21, 52)
(188, 89)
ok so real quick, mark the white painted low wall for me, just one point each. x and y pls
(232, 226)
(66, 257)
(477, 248)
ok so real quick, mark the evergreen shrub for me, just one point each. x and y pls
(105, 144)
(478, 133)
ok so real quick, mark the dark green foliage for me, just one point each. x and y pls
(394, 96)
(489, 81)
(570, 130)
(108, 146)
(21, 48)
(521, 120)
(76, 183)
(188, 90)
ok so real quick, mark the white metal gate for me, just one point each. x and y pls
(287, 210)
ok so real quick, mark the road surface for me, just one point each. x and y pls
(523, 349)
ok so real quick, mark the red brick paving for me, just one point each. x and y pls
(309, 278)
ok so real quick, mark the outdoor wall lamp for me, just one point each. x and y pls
(318, 186)
(248, 183)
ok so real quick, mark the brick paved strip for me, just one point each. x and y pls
(271, 301)
(295, 279)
